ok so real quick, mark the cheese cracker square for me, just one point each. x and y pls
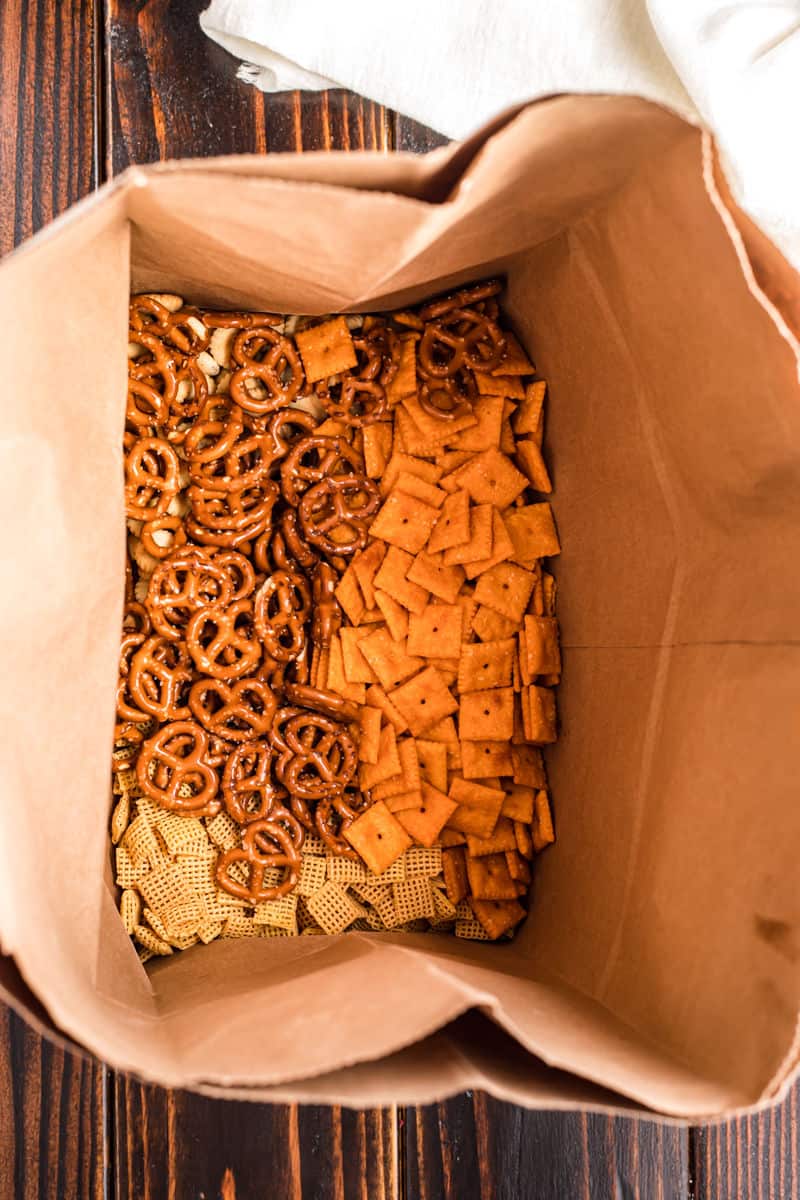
(506, 588)
(378, 837)
(481, 759)
(326, 349)
(478, 807)
(389, 660)
(486, 665)
(404, 521)
(426, 822)
(452, 527)
(436, 632)
(492, 478)
(486, 715)
(432, 573)
(424, 700)
(392, 578)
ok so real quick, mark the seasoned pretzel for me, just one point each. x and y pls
(475, 293)
(152, 478)
(237, 712)
(135, 618)
(315, 458)
(326, 612)
(173, 770)
(127, 709)
(287, 427)
(334, 513)
(277, 369)
(186, 581)
(172, 526)
(247, 787)
(146, 408)
(236, 464)
(282, 606)
(157, 366)
(240, 320)
(265, 844)
(294, 542)
(240, 572)
(231, 518)
(461, 338)
(320, 758)
(332, 816)
(158, 679)
(330, 704)
(447, 397)
(222, 640)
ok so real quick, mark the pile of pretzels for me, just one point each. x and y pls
(242, 513)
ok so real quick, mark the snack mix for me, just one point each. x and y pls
(339, 646)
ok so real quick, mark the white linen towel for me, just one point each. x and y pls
(453, 64)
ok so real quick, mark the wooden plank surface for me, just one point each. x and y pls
(83, 95)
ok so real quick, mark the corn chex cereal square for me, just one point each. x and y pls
(413, 899)
(333, 908)
(281, 913)
(312, 874)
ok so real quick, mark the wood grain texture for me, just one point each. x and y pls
(476, 1147)
(48, 142)
(414, 137)
(177, 1144)
(171, 92)
(754, 1158)
(52, 1118)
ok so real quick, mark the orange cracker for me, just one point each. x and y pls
(356, 667)
(478, 807)
(542, 655)
(369, 724)
(515, 361)
(533, 531)
(413, 485)
(447, 668)
(502, 548)
(508, 442)
(452, 837)
(485, 665)
(543, 832)
(401, 463)
(528, 416)
(431, 572)
(436, 632)
(424, 700)
(454, 869)
(365, 567)
(505, 588)
(522, 832)
(497, 916)
(432, 760)
(378, 837)
(331, 428)
(499, 385)
(388, 763)
(450, 460)
(542, 707)
(518, 804)
(404, 382)
(377, 698)
(492, 478)
(389, 659)
(404, 521)
(389, 788)
(326, 349)
(391, 578)
(528, 766)
(410, 438)
(480, 538)
(491, 626)
(453, 526)
(518, 868)
(404, 802)
(350, 596)
(488, 411)
(409, 762)
(426, 823)
(531, 463)
(479, 759)
(486, 715)
(377, 448)
(489, 878)
(501, 840)
(337, 680)
(395, 616)
(438, 429)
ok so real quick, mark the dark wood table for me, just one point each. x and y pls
(86, 88)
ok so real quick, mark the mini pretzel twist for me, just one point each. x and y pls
(265, 844)
(334, 513)
(222, 641)
(158, 680)
(171, 527)
(152, 478)
(183, 583)
(277, 369)
(172, 769)
(320, 757)
(237, 712)
(247, 786)
(282, 606)
(313, 459)
(326, 612)
(230, 519)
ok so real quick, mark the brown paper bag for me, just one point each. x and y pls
(660, 965)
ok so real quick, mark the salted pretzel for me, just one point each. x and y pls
(159, 677)
(222, 640)
(282, 606)
(236, 712)
(172, 769)
(248, 789)
(152, 478)
(266, 844)
(183, 583)
(334, 513)
(269, 359)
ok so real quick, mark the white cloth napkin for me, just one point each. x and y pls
(453, 64)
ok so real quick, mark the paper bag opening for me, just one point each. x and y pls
(661, 956)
